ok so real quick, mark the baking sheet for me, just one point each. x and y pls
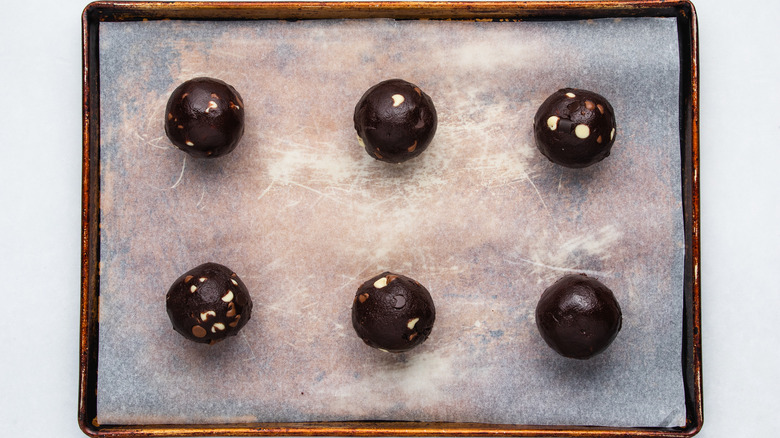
(303, 215)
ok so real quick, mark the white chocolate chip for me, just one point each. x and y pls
(193, 288)
(570, 95)
(397, 99)
(212, 105)
(202, 279)
(205, 315)
(382, 349)
(228, 296)
(189, 143)
(217, 326)
(235, 283)
(412, 322)
(612, 134)
(382, 282)
(360, 140)
(552, 122)
(582, 131)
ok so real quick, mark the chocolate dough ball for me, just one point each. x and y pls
(395, 121)
(208, 303)
(393, 313)
(578, 316)
(205, 118)
(575, 128)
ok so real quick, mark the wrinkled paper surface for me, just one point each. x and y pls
(304, 216)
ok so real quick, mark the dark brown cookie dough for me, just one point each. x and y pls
(208, 303)
(575, 128)
(205, 118)
(578, 316)
(395, 121)
(393, 313)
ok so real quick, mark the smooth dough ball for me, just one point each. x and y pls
(395, 121)
(208, 303)
(205, 118)
(578, 316)
(575, 128)
(393, 313)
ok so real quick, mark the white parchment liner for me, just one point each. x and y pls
(304, 215)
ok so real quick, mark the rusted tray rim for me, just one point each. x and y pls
(526, 10)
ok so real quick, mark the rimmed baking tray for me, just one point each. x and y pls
(111, 12)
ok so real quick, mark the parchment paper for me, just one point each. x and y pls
(304, 215)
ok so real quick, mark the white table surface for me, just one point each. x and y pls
(40, 186)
